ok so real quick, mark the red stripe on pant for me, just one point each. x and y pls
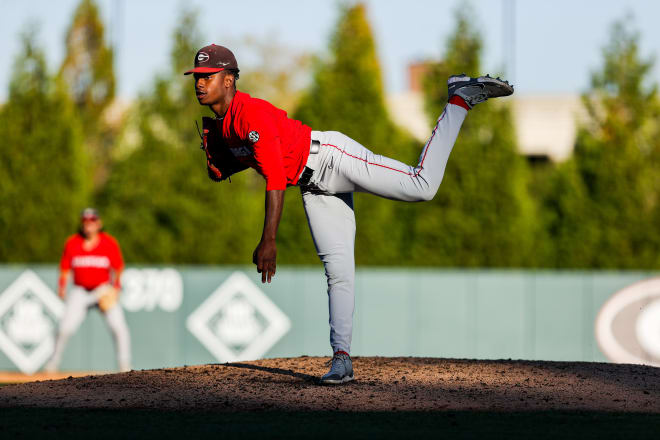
(421, 164)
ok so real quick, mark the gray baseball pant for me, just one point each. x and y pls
(78, 302)
(343, 166)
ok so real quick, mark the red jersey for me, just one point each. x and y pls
(261, 136)
(91, 268)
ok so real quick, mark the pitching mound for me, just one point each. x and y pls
(382, 384)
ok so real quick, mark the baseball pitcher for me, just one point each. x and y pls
(96, 261)
(327, 166)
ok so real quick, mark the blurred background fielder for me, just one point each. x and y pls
(96, 261)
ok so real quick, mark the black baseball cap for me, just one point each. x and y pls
(213, 59)
(90, 213)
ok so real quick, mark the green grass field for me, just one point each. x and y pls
(72, 424)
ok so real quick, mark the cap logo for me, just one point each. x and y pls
(202, 57)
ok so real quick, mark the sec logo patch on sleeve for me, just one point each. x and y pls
(253, 136)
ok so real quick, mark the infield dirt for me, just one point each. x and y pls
(382, 384)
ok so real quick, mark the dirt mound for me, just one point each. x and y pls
(382, 384)
(17, 377)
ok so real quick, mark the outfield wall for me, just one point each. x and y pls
(191, 315)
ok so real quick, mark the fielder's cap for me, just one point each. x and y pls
(90, 213)
(212, 59)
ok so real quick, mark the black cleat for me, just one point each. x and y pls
(477, 90)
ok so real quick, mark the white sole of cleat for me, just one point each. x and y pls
(337, 382)
(500, 84)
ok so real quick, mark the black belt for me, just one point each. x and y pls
(307, 174)
(305, 177)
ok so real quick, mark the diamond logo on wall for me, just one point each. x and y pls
(238, 321)
(29, 312)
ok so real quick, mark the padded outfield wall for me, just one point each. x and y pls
(193, 315)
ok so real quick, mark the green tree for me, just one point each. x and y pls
(272, 71)
(43, 182)
(87, 68)
(483, 214)
(609, 219)
(87, 71)
(347, 95)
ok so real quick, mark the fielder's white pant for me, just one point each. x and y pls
(78, 302)
(343, 166)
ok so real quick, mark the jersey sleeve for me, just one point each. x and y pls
(260, 131)
(116, 259)
(65, 262)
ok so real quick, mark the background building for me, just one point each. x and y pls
(545, 124)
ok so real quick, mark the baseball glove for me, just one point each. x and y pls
(108, 296)
(220, 162)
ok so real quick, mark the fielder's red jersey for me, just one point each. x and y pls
(91, 268)
(262, 137)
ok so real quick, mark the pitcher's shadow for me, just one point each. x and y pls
(303, 376)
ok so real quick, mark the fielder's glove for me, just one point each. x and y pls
(108, 298)
(220, 162)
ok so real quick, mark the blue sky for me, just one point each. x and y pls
(557, 43)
